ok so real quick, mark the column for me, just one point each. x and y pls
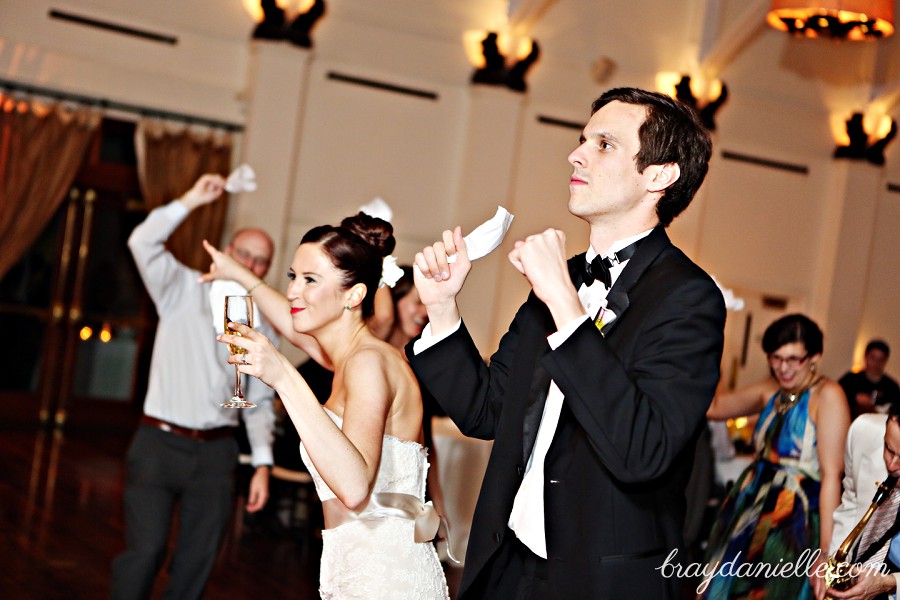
(275, 96)
(486, 178)
(841, 277)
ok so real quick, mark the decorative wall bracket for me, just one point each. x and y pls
(274, 25)
(859, 147)
(495, 71)
(707, 111)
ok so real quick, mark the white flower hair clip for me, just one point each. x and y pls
(390, 272)
(378, 208)
(732, 302)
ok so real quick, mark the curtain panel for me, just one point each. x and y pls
(42, 146)
(170, 159)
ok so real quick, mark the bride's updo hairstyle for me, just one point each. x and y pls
(357, 248)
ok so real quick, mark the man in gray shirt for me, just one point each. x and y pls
(185, 453)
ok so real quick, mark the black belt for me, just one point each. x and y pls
(203, 435)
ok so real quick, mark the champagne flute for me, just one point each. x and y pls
(238, 309)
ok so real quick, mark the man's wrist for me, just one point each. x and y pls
(188, 202)
(565, 308)
(442, 317)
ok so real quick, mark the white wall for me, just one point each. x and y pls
(202, 74)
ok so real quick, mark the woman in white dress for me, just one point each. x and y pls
(364, 447)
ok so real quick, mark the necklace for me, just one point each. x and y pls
(787, 399)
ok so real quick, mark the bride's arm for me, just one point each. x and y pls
(273, 304)
(347, 458)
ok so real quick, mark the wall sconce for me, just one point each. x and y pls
(272, 18)
(500, 59)
(858, 146)
(689, 91)
(855, 20)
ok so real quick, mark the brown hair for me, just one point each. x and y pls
(671, 133)
(357, 248)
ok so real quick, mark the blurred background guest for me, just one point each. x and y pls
(871, 390)
(184, 452)
(782, 504)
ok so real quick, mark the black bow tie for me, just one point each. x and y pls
(598, 269)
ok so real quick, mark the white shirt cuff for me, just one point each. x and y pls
(177, 208)
(262, 456)
(557, 338)
(427, 339)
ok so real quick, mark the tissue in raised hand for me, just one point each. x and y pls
(242, 179)
(485, 238)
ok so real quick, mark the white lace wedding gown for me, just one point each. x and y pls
(375, 557)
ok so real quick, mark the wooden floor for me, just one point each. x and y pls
(61, 526)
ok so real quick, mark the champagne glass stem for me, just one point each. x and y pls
(238, 309)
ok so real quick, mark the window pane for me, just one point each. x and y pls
(105, 361)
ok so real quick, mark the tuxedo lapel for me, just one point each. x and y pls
(617, 300)
(540, 380)
(536, 341)
(537, 397)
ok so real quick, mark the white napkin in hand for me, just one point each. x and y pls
(242, 179)
(485, 238)
(379, 209)
(217, 292)
(482, 240)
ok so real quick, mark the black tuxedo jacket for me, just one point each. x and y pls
(636, 395)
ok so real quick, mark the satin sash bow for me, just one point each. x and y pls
(428, 523)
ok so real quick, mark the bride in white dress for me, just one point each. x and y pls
(364, 447)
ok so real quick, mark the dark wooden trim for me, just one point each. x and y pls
(114, 27)
(544, 119)
(381, 85)
(765, 162)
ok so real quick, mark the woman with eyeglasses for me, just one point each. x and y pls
(779, 510)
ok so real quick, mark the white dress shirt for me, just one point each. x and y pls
(189, 372)
(527, 516)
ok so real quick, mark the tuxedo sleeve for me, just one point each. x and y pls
(640, 415)
(469, 391)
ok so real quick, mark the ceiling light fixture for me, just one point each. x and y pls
(854, 20)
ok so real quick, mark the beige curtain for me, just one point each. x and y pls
(170, 159)
(42, 146)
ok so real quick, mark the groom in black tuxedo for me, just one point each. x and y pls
(598, 391)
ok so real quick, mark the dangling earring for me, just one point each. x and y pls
(813, 367)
